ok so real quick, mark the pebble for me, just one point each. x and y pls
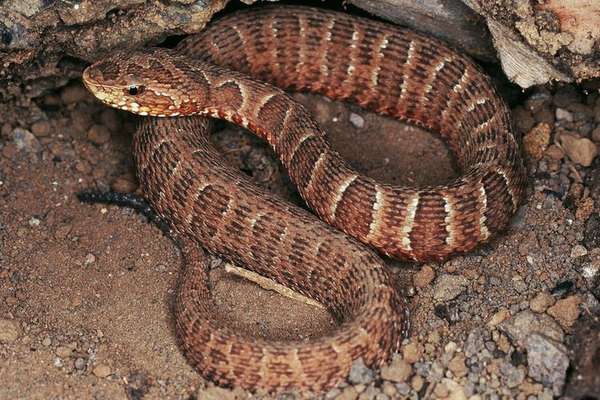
(566, 311)
(360, 373)
(511, 375)
(89, 259)
(63, 351)
(499, 317)
(474, 343)
(457, 365)
(41, 128)
(25, 140)
(596, 134)
(578, 251)
(563, 115)
(541, 302)
(555, 152)
(526, 323)
(47, 341)
(357, 120)
(9, 330)
(398, 371)
(411, 353)
(102, 370)
(424, 276)
(448, 287)
(98, 134)
(348, 393)
(581, 151)
(536, 140)
(547, 361)
(215, 393)
(79, 363)
(73, 94)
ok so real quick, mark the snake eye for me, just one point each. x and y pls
(134, 90)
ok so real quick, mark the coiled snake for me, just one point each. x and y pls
(383, 68)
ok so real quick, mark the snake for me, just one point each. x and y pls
(238, 69)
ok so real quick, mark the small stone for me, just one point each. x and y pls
(474, 343)
(348, 393)
(89, 259)
(457, 365)
(73, 94)
(25, 140)
(578, 251)
(47, 341)
(389, 389)
(424, 276)
(417, 383)
(536, 140)
(541, 302)
(41, 128)
(511, 375)
(555, 152)
(63, 351)
(9, 330)
(110, 119)
(566, 311)
(448, 287)
(398, 371)
(499, 317)
(369, 393)
(585, 209)
(357, 120)
(124, 184)
(441, 390)
(98, 134)
(360, 373)
(547, 361)
(79, 363)
(581, 151)
(101, 370)
(596, 134)
(215, 393)
(563, 115)
(525, 323)
(412, 352)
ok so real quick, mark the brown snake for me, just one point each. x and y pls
(383, 68)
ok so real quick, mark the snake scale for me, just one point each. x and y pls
(386, 69)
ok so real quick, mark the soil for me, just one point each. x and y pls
(86, 290)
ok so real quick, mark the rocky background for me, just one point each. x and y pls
(85, 290)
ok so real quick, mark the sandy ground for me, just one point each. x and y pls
(86, 290)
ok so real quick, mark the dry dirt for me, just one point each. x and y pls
(86, 290)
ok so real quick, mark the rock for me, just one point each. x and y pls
(578, 251)
(357, 120)
(63, 351)
(417, 383)
(511, 375)
(554, 152)
(101, 370)
(9, 330)
(448, 287)
(215, 393)
(25, 140)
(41, 128)
(360, 373)
(398, 370)
(98, 134)
(499, 317)
(474, 343)
(424, 276)
(526, 323)
(523, 119)
(596, 134)
(541, 302)
(547, 361)
(79, 363)
(412, 352)
(73, 94)
(536, 140)
(457, 365)
(581, 151)
(566, 311)
(349, 393)
(454, 389)
(562, 114)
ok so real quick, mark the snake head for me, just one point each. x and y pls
(143, 82)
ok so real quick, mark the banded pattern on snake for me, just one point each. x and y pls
(386, 69)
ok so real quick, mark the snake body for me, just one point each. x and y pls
(383, 68)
